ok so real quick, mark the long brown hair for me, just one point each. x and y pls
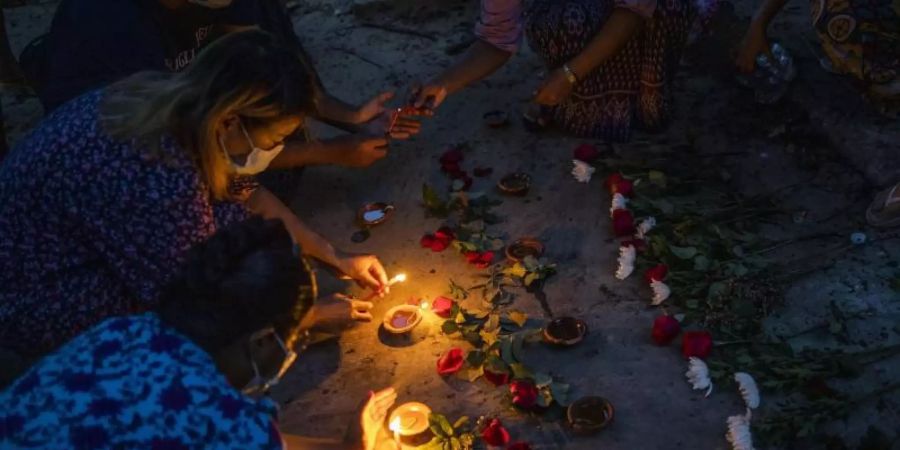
(245, 73)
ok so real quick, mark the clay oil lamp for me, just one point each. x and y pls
(565, 331)
(589, 415)
(409, 424)
(515, 184)
(523, 248)
(372, 214)
(496, 119)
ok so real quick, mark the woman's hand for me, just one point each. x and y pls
(373, 415)
(554, 90)
(403, 127)
(366, 270)
(429, 96)
(340, 311)
(752, 45)
(373, 108)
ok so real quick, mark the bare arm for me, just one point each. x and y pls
(264, 203)
(622, 25)
(755, 40)
(766, 12)
(479, 61)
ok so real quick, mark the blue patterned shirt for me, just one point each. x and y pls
(132, 382)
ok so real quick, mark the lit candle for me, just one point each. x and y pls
(395, 427)
(399, 278)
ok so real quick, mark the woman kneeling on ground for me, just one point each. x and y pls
(100, 203)
(184, 376)
(610, 63)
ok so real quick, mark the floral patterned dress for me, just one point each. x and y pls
(631, 89)
(861, 38)
(132, 383)
(90, 229)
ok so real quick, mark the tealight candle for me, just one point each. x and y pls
(410, 419)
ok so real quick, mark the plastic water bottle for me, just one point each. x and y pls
(772, 75)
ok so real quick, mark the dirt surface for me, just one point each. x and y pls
(824, 147)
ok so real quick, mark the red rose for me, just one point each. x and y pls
(442, 306)
(524, 393)
(450, 362)
(452, 169)
(656, 273)
(696, 343)
(665, 329)
(483, 171)
(444, 234)
(467, 182)
(639, 245)
(497, 379)
(494, 434)
(616, 183)
(519, 446)
(451, 156)
(586, 152)
(623, 222)
(481, 260)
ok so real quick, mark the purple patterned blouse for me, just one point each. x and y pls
(90, 229)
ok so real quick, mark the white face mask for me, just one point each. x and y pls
(256, 161)
(258, 384)
(212, 4)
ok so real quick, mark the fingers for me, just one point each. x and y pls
(377, 270)
(360, 310)
(384, 96)
(380, 402)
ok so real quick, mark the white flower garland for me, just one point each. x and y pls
(627, 255)
(698, 375)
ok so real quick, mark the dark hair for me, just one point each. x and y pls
(244, 278)
(246, 73)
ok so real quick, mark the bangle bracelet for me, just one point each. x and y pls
(570, 75)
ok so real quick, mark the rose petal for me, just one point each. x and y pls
(450, 362)
(444, 234)
(451, 156)
(697, 344)
(497, 379)
(665, 329)
(656, 273)
(586, 152)
(442, 306)
(524, 393)
(494, 434)
(623, 222)
(427, 241)
(612, 181)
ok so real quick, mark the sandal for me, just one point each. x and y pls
(884, 211)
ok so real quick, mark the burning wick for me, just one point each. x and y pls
(424, 305)
(395, 427)
(399, 278)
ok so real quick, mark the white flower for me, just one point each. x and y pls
(627, 255)
(698, 375)
(748, 388)
(618, 202)
(644, 227)
(582, 171)
(739, 432)
(661, 292)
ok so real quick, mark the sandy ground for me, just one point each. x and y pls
(655, 407)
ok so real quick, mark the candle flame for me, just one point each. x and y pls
(395, 424)
(424, 304)
(399, 278)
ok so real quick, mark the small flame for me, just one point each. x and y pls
(395, 424)
(399, 278)
(424, 304)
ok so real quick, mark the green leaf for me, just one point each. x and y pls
(433, 202)
(455, 444)
(506, 351)
(489, 337)
(496, 365)
(517, 317)
(716, 290)
(475, 358)
(530, 278)
(542, 379)
(516, 270)
(658, 178)
(493, 322)
(461, 422)
(436, 443)
(435, 423)
(692, 304)
(665, 206)
(519, 371)
(701, 263)
(518, 346)
(531, 263)
(471, 374)
(560, 393)
(443, 423)
(683, 252)
(472, 336)
(449, 327)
